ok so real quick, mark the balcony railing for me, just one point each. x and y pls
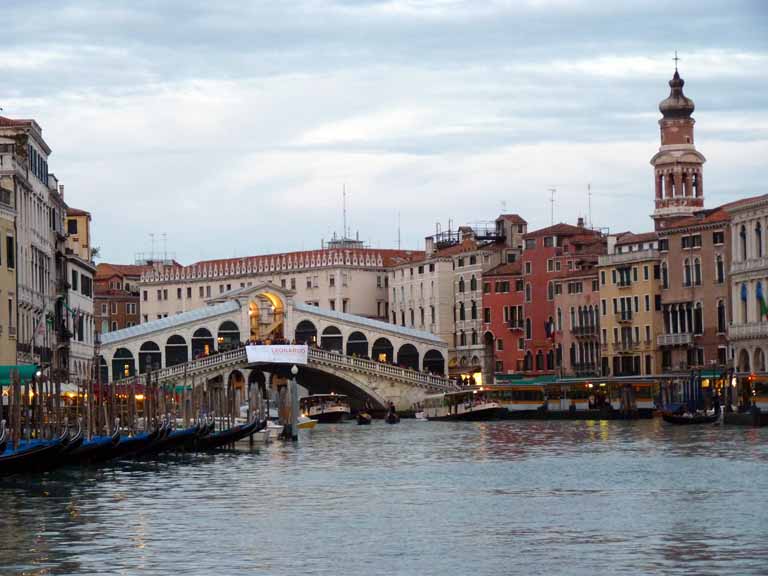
(625, 316)
(515, 325)
(627, 257)
(626, 345)
(624, 284)
(584, 330)
(674, 339)
(751, 330)
(750, 264)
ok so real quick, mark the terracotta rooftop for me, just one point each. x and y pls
(712, 215)
(77, 212)
(466, 245)
(516, 218)
(562, 229)
(11, 122)
(105, 270)
(630, 238)
(508, 269)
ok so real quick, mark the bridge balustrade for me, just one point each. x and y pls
(315, 355)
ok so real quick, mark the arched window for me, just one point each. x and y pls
(719, 269)
(759, 240)
(743, 242)
(528, 328)
(687, 272)
(697, 271)
(720, 317)
(473, 311)
(559, 320)
(573, 318)
(539, 360)
(744, 299)
(462, 312)
(461, 284)
(698, 321)
(473, 283)
(462, 338)
(528, 292)
(550, 291)
(474, 337)
(664, 275)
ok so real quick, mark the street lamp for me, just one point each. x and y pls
(294, 370)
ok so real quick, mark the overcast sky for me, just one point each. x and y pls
(233, 126)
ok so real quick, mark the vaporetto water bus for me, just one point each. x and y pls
(578, 398)
(325, 408)
(465, 405)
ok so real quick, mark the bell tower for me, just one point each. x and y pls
(677, 166)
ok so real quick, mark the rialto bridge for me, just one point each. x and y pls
(364, 358)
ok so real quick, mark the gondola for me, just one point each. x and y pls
(363, 418)
(229, 436)
(74, 443)
(33, 456)
(96, 449)
(392, 418)
(695, 419)
(3, 437)
(172, 440)
(130, 445)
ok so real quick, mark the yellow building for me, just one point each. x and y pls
(8, 310)
(630, 305)
(79, 233)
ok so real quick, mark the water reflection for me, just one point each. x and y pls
(429, 498)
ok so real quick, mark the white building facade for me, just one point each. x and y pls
(748, 332)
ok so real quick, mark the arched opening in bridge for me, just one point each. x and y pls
(434, 363)
(202, 343)
(236, 389)
(228, 336)
(103, 370)
(306, 333)
(357, 345)
(382, 350)
(123, 365)
(176, 351)
(408, 356)
(332, 339)
(759, 365)
(256, 377)
(149, 357)
(743, 361)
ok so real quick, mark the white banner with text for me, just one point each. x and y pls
(278, 354)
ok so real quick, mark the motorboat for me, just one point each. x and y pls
(364, 418)
(463, 405)
(305, 423)
(325, 407)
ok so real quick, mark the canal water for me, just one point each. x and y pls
(416, 498)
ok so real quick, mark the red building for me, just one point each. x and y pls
(116, 298)
(549, 254)
(503, 317)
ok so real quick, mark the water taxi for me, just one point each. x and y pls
(325, 407)
(464, 405)
(519, 400)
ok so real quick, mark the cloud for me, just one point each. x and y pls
(233, 128)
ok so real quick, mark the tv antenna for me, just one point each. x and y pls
(589, 203)
(398, 230)
(344, 209)
(552, 192)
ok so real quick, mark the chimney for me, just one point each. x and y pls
(429, 245)
(61, 191)
(580, 222)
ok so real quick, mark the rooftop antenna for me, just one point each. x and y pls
(398, 230)
(589, 203)
(503, 206)
(552, 192)
(344, 209)
(165, 247)
(152, 245)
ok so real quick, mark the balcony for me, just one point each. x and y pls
(748, 331)
(12, 331)
(624, 317)
(750, 264)
(584, 331)
(674, 339)
(626, 346)
(628, 257)
(585, 368)
(622, 285)
(515, 326)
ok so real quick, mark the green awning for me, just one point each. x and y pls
(26, 372)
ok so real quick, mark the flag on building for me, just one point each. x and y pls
(761, 300)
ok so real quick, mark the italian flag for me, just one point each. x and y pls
(761, 300)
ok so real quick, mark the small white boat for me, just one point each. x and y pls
(268, 434)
